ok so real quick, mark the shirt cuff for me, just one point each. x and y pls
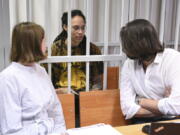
(132, 111)
(53, 134)
(161, 106)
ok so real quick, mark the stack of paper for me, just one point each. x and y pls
(98, 129)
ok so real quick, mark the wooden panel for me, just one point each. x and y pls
(101, 107)
(112, 77)
(67, 101)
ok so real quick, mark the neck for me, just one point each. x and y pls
(73, 44)
(147, 63)
(27, 64)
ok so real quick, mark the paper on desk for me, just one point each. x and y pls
(98, 129)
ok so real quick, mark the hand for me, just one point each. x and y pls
(137, 100)
(140, 100)
(62, 90)
(58, 134)
(64, 134)
(167, 92)
(150, 105)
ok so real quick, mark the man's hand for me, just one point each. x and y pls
(167, 92)
(150, 105)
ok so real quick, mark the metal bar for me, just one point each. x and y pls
(29, 10)
(106, 31)
(69, 45)
(2, 47)
(122, 13)
(6, 30)
(162, 21)
(55, 59)
(177, 28)
(148, 13)
(48, 24)
(122, 20)
(112, 44)
(147, 7)
(88, 15)
(2, 63)
(131, 9)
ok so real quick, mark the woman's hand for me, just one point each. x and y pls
(64, 134)
(59, 134)
(62, 90)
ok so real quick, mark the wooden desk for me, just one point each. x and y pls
(136, 129)
(131, 129)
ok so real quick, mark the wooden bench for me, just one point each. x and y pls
(67, 101)
(101, 107)
(106, 103)
(112, 77)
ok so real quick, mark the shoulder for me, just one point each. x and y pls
(92, 45)
(57, 43)
(10, 86)
(169, 51)
(169, 59)
(9, 72)
(129, 63)
(40, 69)
(95, 49)
(57, 48)
(130, 66)
(170, 55)
(8, 76)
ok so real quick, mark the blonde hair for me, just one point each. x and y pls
(26, 43)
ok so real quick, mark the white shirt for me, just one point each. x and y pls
(28, 102)
(163, 73)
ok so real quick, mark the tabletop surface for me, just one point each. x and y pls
(136, 129)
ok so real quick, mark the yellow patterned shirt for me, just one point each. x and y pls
(78, 69)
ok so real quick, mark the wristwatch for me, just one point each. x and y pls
(137, 100)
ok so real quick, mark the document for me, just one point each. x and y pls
(97, 129)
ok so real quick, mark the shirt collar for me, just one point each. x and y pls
(158, 57)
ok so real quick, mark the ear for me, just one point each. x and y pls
(65, 27)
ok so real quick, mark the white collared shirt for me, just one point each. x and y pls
(28, 102)
(163, 73)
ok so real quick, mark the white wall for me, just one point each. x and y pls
(4, 33)
(48, 13)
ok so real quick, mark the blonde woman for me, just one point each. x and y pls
(28, 102)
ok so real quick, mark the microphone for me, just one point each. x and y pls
(146, 129)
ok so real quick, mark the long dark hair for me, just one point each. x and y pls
(63, 35)
(140, 39)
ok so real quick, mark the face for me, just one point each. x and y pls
(78, 30)
(43, 46)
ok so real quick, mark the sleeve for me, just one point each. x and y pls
(96, 69)
(94, 50)
(55, 111)
(97, 66)
(127, 93)
(56, 69)
(171, 105)
(11, 111)
(54, 49)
